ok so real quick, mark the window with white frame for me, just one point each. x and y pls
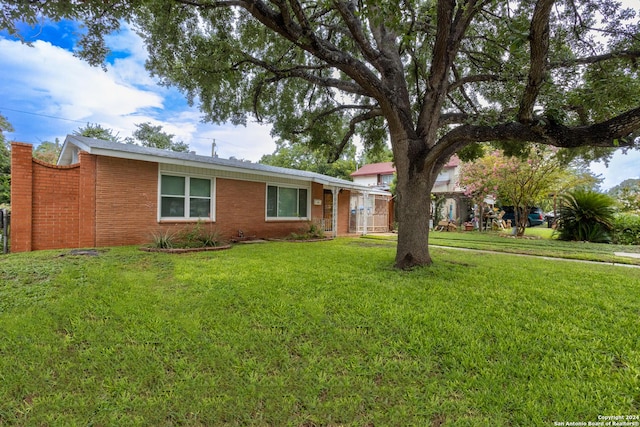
(386, 179)
(185, 197)
(287, 202)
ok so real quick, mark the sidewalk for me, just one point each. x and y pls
(630, 255)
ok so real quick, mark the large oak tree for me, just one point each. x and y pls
(435, 76)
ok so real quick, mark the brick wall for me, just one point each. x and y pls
(44, 202)
(55, 206)
(21, 196)
(241, 205)
(87, 200)
(126, 201)
(344, 198)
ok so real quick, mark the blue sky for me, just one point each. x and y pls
(47, 93)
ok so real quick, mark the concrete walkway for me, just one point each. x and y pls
(620, 254)
(547, 257)
(627, 254)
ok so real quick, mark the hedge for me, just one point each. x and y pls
(626, 229)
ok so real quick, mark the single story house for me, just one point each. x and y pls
(103, 193)
(453, 205)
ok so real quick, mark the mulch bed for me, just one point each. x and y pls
(185, 250)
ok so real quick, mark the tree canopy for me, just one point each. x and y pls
(97, 131)
(627, 195)
(148, 135)
(5, 162)
(303, 157)
(48, 151)
(433, 76)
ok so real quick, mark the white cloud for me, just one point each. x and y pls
(67, 86)
(46, 80)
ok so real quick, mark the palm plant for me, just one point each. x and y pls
(586, 215)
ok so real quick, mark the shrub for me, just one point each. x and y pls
(314, 231)
(586, 216)
(626, 229)
(195, 236)
(163, 240)
(210, 238)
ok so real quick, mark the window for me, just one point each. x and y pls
(386, 179)
(185, 197)
(287, 202)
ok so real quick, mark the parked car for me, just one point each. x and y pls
(550, 217)
(535, 217)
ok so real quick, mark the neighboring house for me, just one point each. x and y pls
(455, 205)
(103, 193)
(378, 175)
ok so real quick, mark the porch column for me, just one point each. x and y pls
(365, 214)
(334, 216)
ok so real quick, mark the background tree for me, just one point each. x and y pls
(433, 77)
(94, 130)
(304, 157)
(151, 136)
(515, 181)
(377, 154)
(627, 195)
(5, 162)
(48, 151)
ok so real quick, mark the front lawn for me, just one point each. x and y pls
(538, 241)
(314, 334)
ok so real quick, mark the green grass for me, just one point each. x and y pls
(539, 241)
(305, 334)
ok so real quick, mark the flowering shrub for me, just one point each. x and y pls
(512, 180)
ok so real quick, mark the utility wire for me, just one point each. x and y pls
(41, 115)
(85, 122)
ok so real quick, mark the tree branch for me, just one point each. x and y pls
(302, 72)
(355, 29)
(613, 133)
(625, 54)
(479, 78)
(352, 130)
(539, 41)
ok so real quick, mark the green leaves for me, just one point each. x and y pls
(586, 216)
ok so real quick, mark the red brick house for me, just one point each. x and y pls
(103, 193)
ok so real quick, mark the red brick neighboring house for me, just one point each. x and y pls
(103, 193)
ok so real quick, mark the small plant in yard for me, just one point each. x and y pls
(210, 238)
(195, 236)
(314, 231)
(163, 239)
(586, 216)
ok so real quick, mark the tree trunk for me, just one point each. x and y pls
(414, 206)
(413, 198)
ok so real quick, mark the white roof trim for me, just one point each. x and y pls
(99, 147)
